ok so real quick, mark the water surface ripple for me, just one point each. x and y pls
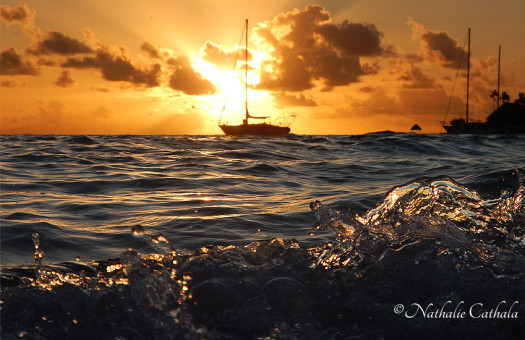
(82, 194)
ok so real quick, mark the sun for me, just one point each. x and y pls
(231, 90)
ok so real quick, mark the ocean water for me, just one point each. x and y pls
(155, 237)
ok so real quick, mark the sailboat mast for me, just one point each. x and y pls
(468, 70)
(499, 63)
(246, 74)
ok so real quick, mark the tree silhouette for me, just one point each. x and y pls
(521, 99)
(494, 95)
(505, 97)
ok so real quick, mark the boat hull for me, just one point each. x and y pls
(255, 130)
(485, 129)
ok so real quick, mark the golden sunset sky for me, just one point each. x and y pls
(165, 67)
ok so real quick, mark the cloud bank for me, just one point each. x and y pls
(13, 64)
(309, 49)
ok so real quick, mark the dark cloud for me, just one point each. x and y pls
(353, 39)
(100, 89)
(370, 68)
(441, 48)
(120, 68)
(313, 49)
(10, 83)
(368, 89)
(46, 62)
(58, 43)
(64, 80)
(293, 73)
(81, 63)
(20, 14)
(303, 25)
(416, 79)
(116, 66)
(414, 58)
(151, 50)
(187, 80)
(12, 64)
(283, 99)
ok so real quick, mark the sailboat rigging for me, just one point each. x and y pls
(246, 128)
(508, 118)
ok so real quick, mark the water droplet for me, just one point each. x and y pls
(21, 334)
(39, 254)
(277, 262)
(157, 238)
(137, 230)
(36, 240)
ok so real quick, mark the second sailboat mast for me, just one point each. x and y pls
(468, 71)
(246, 74)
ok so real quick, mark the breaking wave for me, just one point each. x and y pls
(429, 241)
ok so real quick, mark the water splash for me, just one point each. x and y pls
(429, 238)
(38, 255)
(438, 208)
(160, 241)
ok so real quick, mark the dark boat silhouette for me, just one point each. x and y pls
(509, 118)
(265, 128)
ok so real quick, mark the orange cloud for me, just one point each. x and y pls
(415, 79)
(151, 50)
(352, 38)
(187, 80)
(13, 64)
(284, 99)
(20, 14)
(437, 47)
(307, 48)
(58, 43)
(64, 80)
(114, 63)
(117, 66)
(222, 57)
(443, 49)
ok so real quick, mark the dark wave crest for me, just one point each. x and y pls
(430, 242)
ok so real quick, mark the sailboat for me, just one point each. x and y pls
(247, 128)
(509, 118)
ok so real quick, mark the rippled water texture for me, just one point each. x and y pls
(299, 237)
(83, 194)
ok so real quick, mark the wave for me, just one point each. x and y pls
(431, 241)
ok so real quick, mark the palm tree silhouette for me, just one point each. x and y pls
(494, 95)
(505, 97)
